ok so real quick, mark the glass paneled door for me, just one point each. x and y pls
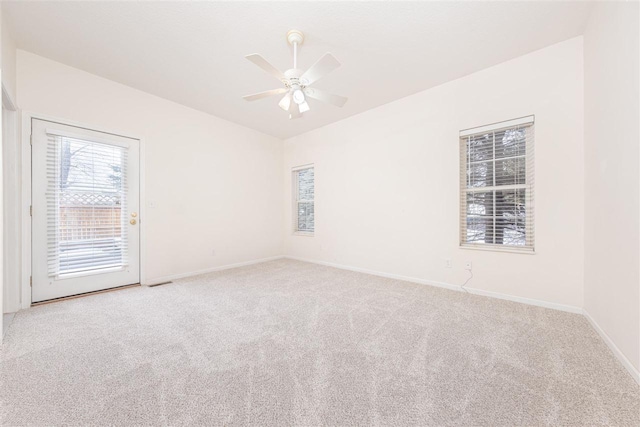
(85, 216)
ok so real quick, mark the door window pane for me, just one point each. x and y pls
(88, 193)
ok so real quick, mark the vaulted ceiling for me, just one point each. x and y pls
(193, 52)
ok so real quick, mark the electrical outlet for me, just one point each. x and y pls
(448, 263)
(467, 265)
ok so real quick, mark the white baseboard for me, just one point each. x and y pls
(614, 348)
(476, 291)
(529, 301)
(171, 277)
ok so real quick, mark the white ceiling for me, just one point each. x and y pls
(193, 52)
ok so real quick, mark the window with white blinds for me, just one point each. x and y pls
(86, 206)
(497, 192)
(303, 199)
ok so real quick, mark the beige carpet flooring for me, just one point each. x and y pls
(291, 343)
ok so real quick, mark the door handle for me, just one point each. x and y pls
(132, 222)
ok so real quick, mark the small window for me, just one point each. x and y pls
(303, 200)
(496, 195)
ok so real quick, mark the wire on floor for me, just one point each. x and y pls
(467, 281)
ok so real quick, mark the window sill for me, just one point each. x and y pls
(303, 233)
(489, 248)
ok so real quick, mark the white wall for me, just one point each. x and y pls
(1, 200)
(387, 180)
(11, 160)
(612, 180)
(215, 185)
(8, 54)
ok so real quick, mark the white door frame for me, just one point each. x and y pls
(26, 195)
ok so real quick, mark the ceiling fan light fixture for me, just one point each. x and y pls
(303, 107)
(298, 96)
(285, 102)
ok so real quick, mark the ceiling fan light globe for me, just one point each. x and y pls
(285, 102)
(298, 96)
(304, 107)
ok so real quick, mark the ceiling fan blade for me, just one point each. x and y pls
(294, 113)
(329, 98)
(265, 94)
(265, 65)
(285, 102)
(321, 68)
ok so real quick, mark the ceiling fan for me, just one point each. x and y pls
(296, 82)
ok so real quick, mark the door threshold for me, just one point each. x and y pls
(86, 294)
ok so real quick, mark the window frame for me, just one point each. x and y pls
(527, 123)
(296, 202)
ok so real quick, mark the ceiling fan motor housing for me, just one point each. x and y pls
(293, 78)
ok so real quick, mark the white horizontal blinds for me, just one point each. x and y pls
(86, 206)
(497, 193)
(304, 193)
